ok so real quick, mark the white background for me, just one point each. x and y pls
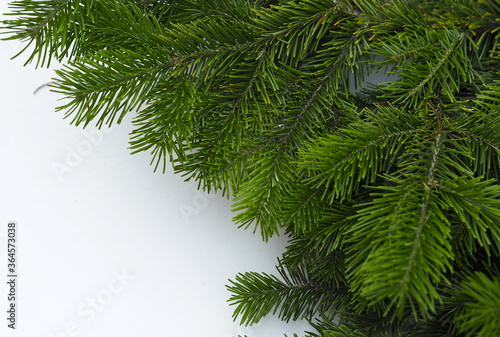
(106, 246)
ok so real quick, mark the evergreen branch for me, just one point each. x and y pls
(476, 306)
(339, 166)
(373, 325)
(127, 85)
(322, 250)
(476, 204)
(408, 235)
(430, 63)
(435, 68)
(409, 250)
(390, 196)
(51, 25)
(480, 137)
(256, 295)
(259, 195)
(257, 205)
(302, 205)
(164, 127)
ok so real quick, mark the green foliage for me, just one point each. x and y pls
(476, 303)
(389, 191)
(296, 297)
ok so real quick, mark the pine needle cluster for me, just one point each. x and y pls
(389, 191)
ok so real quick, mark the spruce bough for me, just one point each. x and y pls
(389, 191)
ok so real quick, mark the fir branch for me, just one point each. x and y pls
(477, 305)
(390, 196)
(256, 295)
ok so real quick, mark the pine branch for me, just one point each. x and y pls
(296, 297)
(128, 84)
(477, 306)
(51, 26)
(338, 163)
(405, 236)
(389, 195)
